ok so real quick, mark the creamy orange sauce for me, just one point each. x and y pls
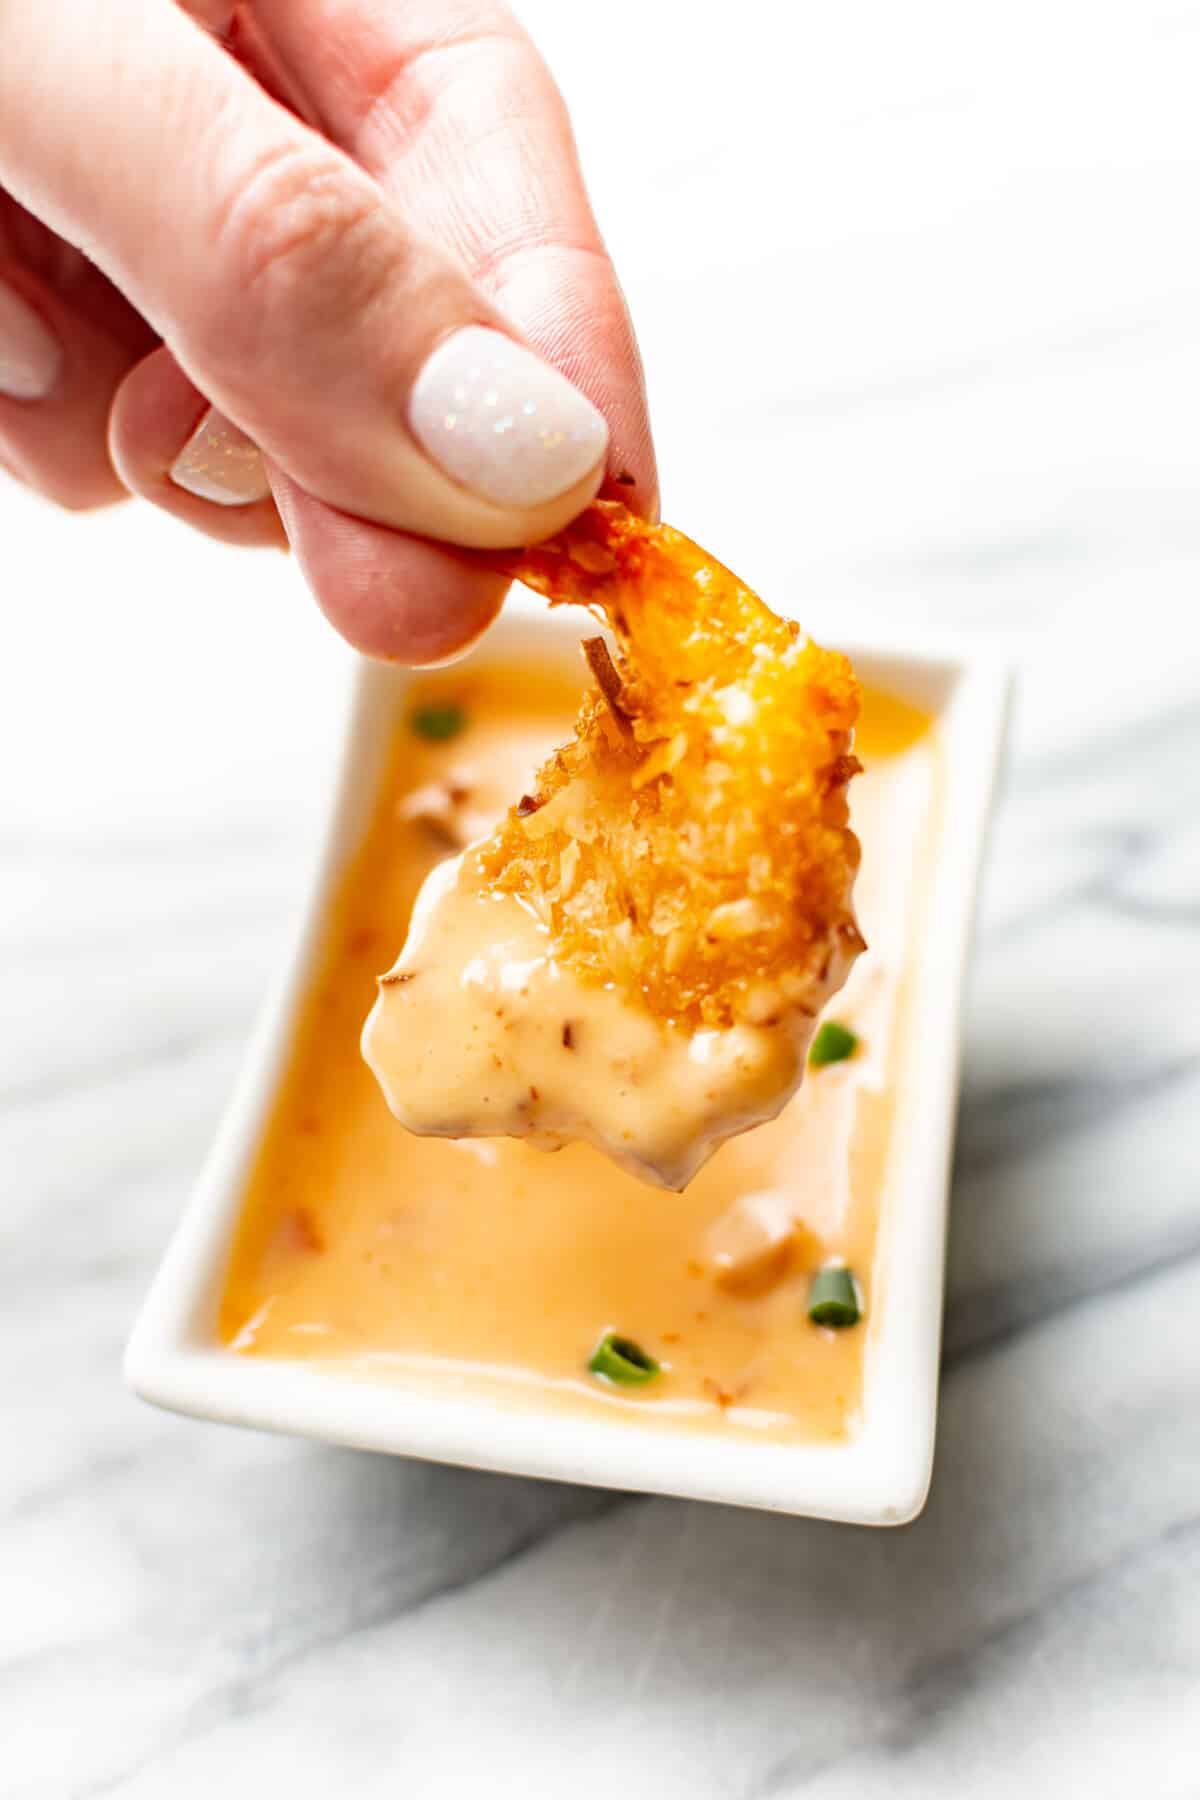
(480, 1031)
(430, 1261)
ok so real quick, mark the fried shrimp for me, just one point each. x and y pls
(660, 920)
(692, 843)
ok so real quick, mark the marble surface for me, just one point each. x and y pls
(918, 292)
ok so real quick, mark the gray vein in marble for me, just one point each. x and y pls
(986, 1321)
(1145, 739)
(277, 1653)
(1014, 1119)
(921, 1699)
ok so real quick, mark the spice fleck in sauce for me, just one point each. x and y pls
(430, 1261)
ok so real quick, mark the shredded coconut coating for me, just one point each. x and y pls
(691, 843)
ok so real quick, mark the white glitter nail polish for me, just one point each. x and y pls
(220, 463)
(502, 422)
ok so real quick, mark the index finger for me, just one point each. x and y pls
(450, 107)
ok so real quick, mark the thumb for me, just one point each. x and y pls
(290, 288)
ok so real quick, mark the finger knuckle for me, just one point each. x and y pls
(299, 229)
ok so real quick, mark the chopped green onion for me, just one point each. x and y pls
(438, 722)
(619, 1359)
(833, 1043)
(833, 1298)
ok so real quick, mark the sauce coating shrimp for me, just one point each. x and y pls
(637, 956)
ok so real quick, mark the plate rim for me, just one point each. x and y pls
(880, 1477)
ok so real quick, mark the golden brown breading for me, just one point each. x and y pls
(691, 843)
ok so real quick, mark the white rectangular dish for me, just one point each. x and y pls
(880, 1476)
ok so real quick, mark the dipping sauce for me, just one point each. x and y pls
(430, 1261)
(479, 1031)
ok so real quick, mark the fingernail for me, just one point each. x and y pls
(221, 464)
(502, 422)
(30, 354)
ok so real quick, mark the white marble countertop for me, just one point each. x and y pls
(918, 292)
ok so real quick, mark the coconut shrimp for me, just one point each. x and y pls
(637, 956)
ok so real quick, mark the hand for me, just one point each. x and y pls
(401, 296)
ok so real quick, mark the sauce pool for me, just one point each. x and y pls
(428, 1261)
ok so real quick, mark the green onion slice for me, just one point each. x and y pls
(438, 722)
(619, 1359)
(833, 1043)
(833, 1298)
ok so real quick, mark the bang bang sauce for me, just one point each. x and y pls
(428, 1261)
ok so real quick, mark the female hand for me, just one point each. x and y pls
(400, 297)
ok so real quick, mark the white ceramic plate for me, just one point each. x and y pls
(881, 1476)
